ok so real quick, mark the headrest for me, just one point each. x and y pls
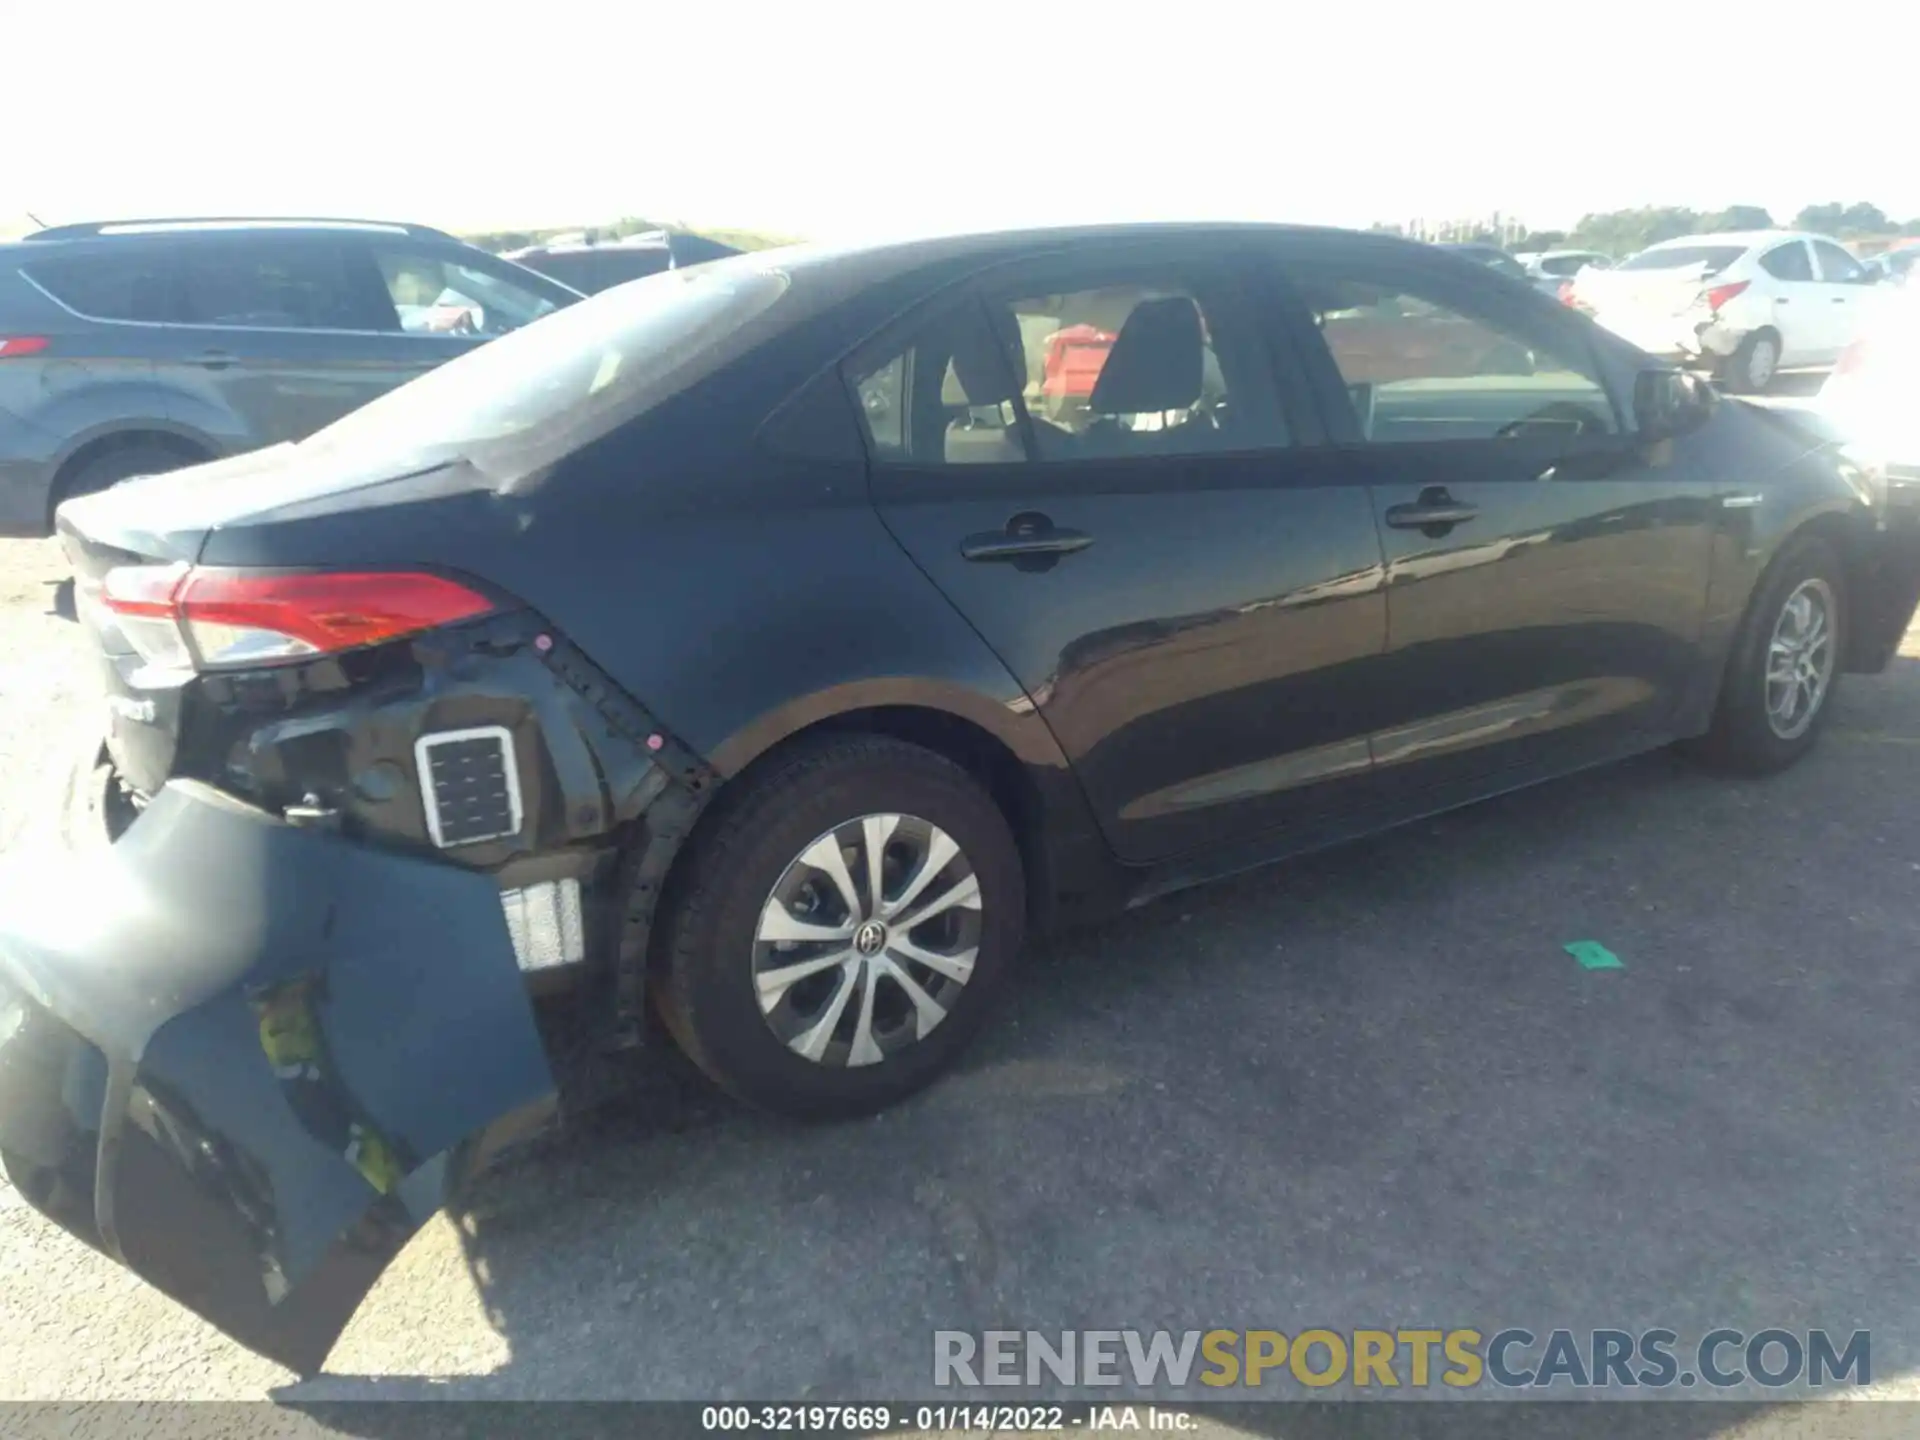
(987, 371)
(1156, 362)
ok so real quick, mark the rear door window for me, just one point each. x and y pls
(281, 285)
(1788, 262)
(134, 285)
(1146, 363)
(1837, 267)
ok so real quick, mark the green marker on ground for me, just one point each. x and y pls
(1592, 955)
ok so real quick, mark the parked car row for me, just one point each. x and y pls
(1740, 306)
(135, 347)
(1743, 306)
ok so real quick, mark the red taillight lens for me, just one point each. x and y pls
(12, 347)
(245, 617)
(140, 598)
(1721, 294)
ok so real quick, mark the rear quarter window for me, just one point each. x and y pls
(1788, 262)
(130, 286)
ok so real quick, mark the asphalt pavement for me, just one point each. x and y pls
(1366, 1089)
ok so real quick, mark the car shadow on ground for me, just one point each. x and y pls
(1365, 1089)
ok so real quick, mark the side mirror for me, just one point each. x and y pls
(1670, 403)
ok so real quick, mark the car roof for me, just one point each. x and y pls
(910, 248)
(112, 234)
(846, 266)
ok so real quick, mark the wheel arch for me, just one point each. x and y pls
(188, 444)
(1846, 533)
(1006, 748)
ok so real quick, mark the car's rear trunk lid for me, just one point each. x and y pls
(1660, 293)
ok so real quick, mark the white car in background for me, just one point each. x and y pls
(1553, 270)
(1743, 306)
(1869, 401)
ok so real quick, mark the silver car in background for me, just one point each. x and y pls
(133, 347)
(1552, 270)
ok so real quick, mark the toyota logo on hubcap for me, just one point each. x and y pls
(870, 938)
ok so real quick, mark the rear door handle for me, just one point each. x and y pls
(1438, 511)
(214, 359)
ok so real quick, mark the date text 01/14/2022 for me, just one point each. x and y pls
(938, 1419)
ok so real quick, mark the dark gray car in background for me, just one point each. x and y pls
(134, 347)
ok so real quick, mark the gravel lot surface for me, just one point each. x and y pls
(1365, 1089)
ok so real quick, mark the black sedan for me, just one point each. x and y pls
(770, 646)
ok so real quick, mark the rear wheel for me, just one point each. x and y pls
(1752, 367)
(139, 457)
(1785, 665)
(840, 927)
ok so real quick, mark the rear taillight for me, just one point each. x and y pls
(208, 618)
(1720, 294)
(12, 347)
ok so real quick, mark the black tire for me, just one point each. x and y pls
(1738, 373)
(1742, 740)
(139, 457)
(703, 973)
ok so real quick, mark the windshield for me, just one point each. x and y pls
(1681, 257)
(521, 402)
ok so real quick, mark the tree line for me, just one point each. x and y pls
(1624, 232)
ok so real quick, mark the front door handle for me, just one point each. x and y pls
(214, 359)
(1028, 536)
(1435, 510)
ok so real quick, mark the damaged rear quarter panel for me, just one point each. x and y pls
(339, 735)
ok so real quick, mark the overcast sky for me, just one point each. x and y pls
(837, 119)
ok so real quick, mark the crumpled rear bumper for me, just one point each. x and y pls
(249, 1060)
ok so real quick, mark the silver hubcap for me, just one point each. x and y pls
(867, 940)
(1760, 365)
(1800, 659)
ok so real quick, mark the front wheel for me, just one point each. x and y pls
(840, 927)
(1785, 664)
